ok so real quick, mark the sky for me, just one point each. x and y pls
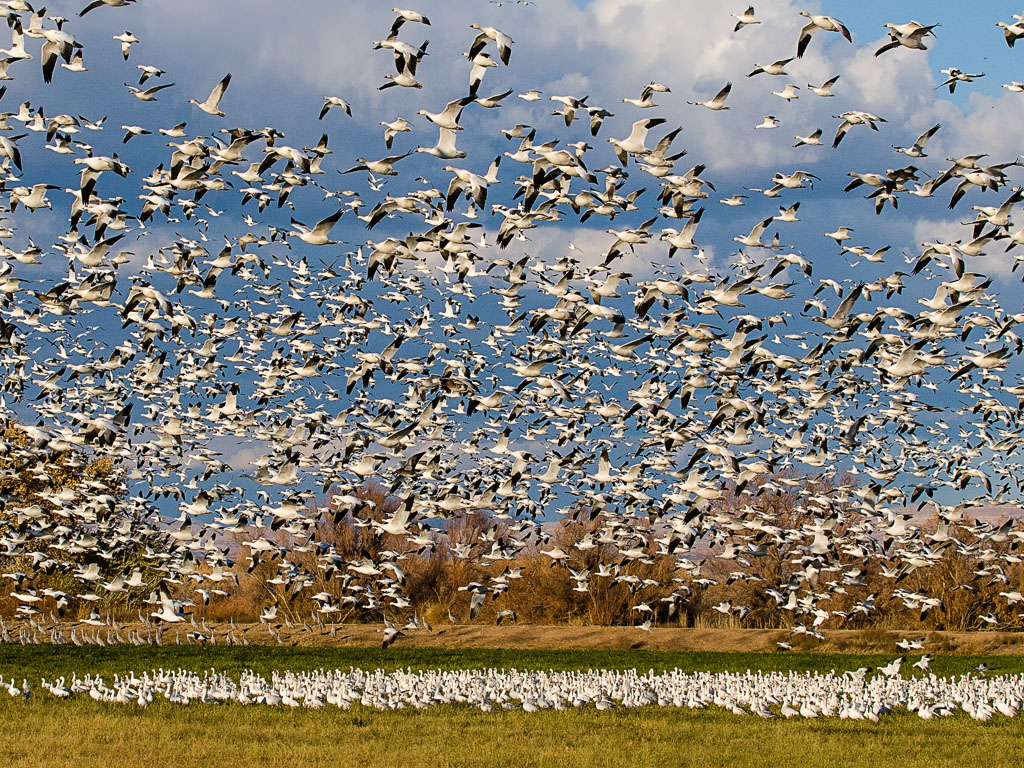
(285, 59)
(604, 49)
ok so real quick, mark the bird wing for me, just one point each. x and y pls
(446, 140)
(805, 38)
(453, 109)
(324, 225)
(218, 91)
(722, 94)
(156, 89)
(841, 132)
(923, 138)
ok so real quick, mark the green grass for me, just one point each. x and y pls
(34, 661)
(42, 732)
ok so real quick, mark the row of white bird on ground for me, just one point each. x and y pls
(856, 694)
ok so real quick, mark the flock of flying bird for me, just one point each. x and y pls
(248, 362)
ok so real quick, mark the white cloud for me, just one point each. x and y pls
(284, 61)
(994, 261)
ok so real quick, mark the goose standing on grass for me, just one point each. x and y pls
(852, 695)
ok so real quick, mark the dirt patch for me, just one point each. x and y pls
(527, 636)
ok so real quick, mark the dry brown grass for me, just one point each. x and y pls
(525, 636)
(45, 734)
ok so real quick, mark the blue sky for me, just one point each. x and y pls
(605, 50)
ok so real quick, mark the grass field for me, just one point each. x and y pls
(54, 660)
(43, 732)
